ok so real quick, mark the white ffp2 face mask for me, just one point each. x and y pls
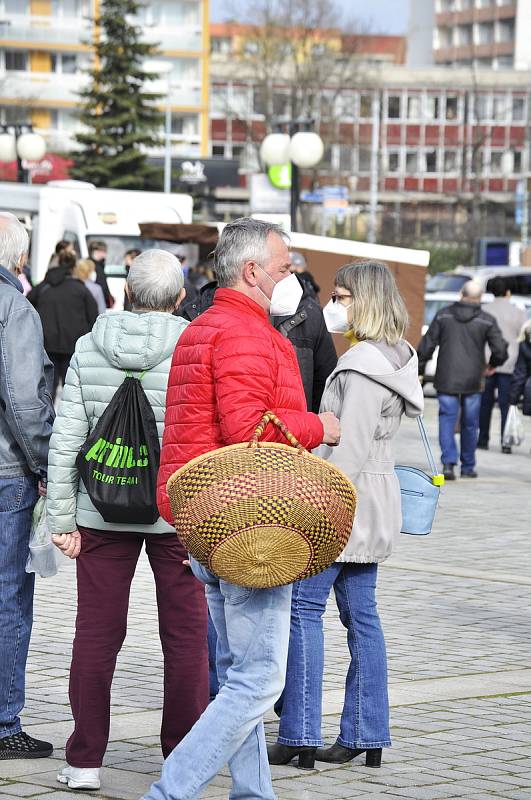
(286, 295)
(336, 317)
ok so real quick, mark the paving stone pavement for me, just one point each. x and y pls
(456, 614)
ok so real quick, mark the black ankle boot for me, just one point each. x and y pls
(338, 754)
(283, 754)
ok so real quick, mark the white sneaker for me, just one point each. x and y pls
(80, 777)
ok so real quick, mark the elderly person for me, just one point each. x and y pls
(374, 384)
(229, 367)
(26, 416)
(141, 342)
(85, 272)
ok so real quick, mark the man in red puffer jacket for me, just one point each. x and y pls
(229, 367)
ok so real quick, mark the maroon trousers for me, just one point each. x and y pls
(105, 569)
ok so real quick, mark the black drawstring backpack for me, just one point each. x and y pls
(119, 461)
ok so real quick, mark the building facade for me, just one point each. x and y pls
(484, 34)
(46, 47)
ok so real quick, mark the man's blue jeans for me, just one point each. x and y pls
(365, 717)
(17, 499)
(502, 384)
(253, 635)
(449, 407)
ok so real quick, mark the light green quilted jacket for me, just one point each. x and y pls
(119, 341)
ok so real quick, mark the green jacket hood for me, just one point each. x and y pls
(137, 341)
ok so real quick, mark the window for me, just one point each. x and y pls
(280, 104)
(345, 158)
(69, 8)
(505, 62)
(464, 5)
(496, 162)
(364, 159)
(16, 60)
(238, 150)
(219, 100)
(518, 109)
(251, 47)
(64, 63)
(451, 161)
(365, 106)
(481, 107)
(16, 7)
(393, 106)
(258, 101)
(220, 45)
(485, 33)
(15, 115)
(431, 161)
(464, 35)
(506, 30)
(500, 107)
(451, 107)
(412, 163)
(443, 38)
(517, 161)
(393, 161)
(185, 125)
(432, 107)
(414, 106)
(218, 150)
(239, 101)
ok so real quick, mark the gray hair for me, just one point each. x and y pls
(155, 280)
(243, 240)
(14, 241)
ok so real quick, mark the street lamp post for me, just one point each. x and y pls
(20, 143)
(303, 149)
(154, 69)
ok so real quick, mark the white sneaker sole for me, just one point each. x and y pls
(73, 784)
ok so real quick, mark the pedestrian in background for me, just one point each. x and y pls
(107, 553)
(300, 268)
(26, 416)
(85, 272)
(129, 257)
(67, 311)
(521, 378)
(461, 331)
(374, 384)
(230, 367)
(510, 320)
(98, 254)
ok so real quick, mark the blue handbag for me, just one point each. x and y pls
(419, 492)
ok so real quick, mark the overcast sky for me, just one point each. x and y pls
(383, 16)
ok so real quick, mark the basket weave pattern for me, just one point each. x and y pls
(262, 514)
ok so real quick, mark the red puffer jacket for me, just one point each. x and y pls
(230, 366)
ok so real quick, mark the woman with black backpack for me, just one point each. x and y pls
(101, 506)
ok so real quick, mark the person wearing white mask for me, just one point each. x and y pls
(374, 384)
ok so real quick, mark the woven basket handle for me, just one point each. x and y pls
(266, 419)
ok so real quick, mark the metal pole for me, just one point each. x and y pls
(375, 147)
(167, 147)
(294, 196)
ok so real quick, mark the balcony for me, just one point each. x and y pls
(41, 87)
(177, 38)
(466, 52)
(24, 30)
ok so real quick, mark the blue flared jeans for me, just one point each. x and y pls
(365, 717)
(253, 634)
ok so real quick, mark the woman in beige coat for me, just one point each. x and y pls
(374, 384)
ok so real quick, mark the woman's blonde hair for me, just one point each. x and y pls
(378, 311)
(84, 268)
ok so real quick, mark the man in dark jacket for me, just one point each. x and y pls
(67, 311)
(26, 417)
(307, 332)
(461, 332)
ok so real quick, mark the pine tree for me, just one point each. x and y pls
(121, 118)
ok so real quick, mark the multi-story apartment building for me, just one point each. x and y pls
(449, 141)
(493, 34)
(46, 46)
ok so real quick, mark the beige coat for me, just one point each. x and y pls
(371, 388)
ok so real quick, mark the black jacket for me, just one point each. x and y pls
(521, 380)
(461, 332)
(307, 332)
(66, 308)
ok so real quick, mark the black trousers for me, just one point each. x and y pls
(60, 363)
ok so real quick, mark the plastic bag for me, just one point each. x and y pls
(44, 557)
(513, 433)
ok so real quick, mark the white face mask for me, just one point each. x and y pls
(336, 317)
(286, 295)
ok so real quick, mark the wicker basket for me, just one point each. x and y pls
(262, 514)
